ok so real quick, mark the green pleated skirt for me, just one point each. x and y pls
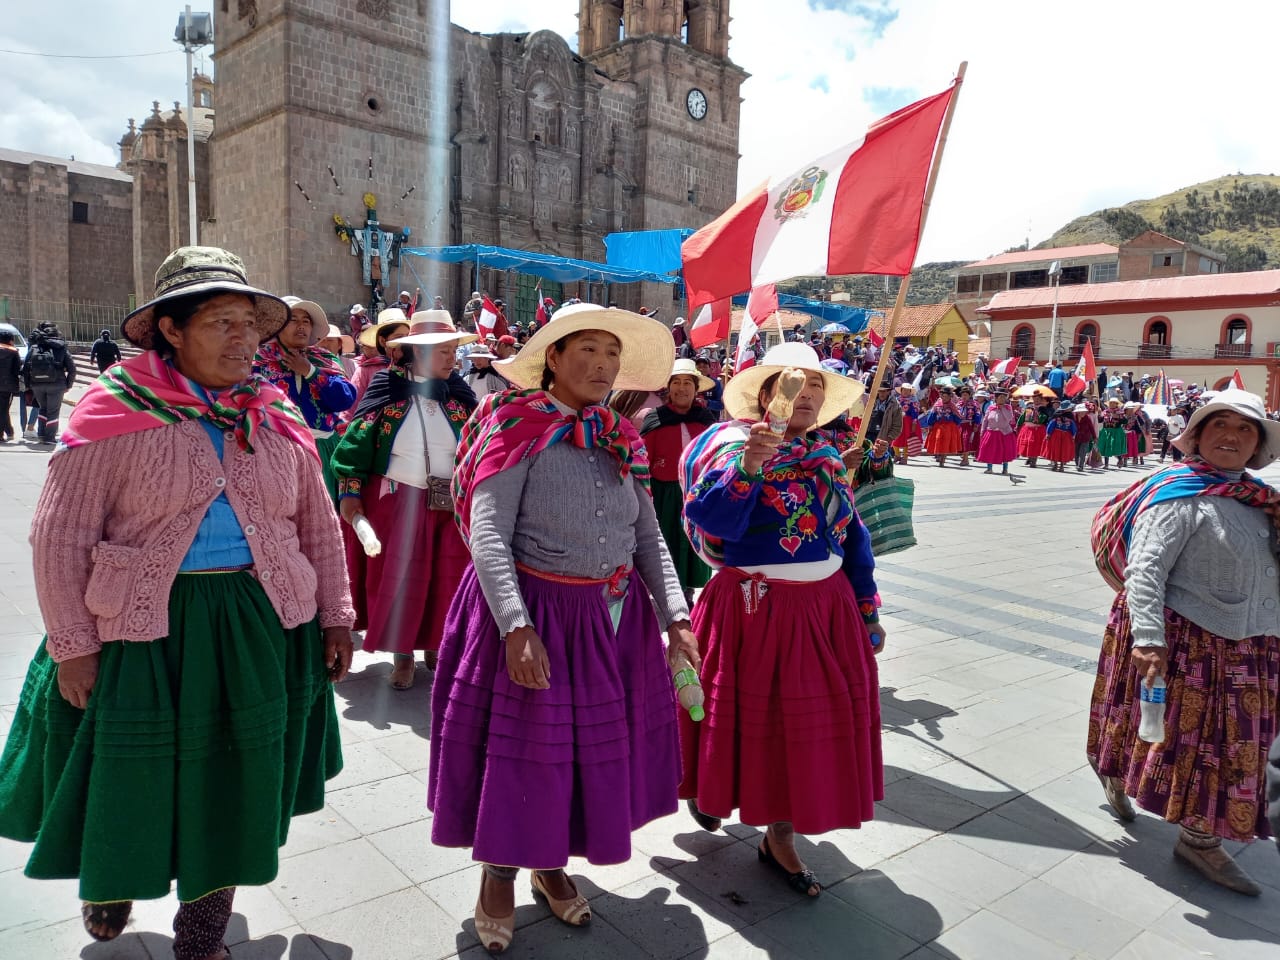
(192, 755)
(668, 503)
(325, 447)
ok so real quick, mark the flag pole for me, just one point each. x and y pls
(901, 301)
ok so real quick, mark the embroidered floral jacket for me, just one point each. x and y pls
(365, 449)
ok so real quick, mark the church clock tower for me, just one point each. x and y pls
(687, 108)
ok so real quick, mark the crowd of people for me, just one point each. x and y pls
(558, 516)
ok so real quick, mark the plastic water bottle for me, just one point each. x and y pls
(1152, 727)
(364, 533)
(688, 688)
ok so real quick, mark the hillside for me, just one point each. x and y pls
(1237, 215)
(930, 283)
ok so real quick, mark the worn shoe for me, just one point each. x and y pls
(575, 911)
(1117, 798)
(494, 933)
(1215, 864)
(704, 820)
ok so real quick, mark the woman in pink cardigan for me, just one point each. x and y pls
(190, 573)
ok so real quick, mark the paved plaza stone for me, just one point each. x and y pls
(993, 840)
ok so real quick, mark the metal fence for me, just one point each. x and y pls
(79, 321)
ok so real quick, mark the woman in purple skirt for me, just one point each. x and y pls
(553, 728)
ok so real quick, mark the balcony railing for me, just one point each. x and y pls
(1154, 351)
(1027, 353)
(1232, 350)
(1076, 352)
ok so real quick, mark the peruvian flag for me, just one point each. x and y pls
(541, 315)
(1084, 373)
(487, 322)
(855, 210)
(1237, 381)
(711, 325)
(761, 305)
(1005, 368)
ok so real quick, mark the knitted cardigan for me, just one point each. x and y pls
(117, 516)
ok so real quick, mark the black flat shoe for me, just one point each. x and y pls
(705, 821)
(801, 881)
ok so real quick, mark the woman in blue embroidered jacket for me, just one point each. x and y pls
(314, 378)
(394, 466)
(787, 628)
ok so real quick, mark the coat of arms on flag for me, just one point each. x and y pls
(802, 193)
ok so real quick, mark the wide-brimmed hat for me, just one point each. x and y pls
(687, 368)
(333, 333)
(1111, 400)
(394, 318)
(1066, 406)
(648, 351)
(429, 327)
(208, 271)
(319, 320)
(741, 396)
(1247, 405)
(481, 352)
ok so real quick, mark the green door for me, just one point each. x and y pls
(526, 306)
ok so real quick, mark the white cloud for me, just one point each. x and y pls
(1066, 107)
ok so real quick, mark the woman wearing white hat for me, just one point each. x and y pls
(788, 625)
(667, 431)
(314, 378)
(373, 347)
(394, 466)
(1193, 547)
(553, 728)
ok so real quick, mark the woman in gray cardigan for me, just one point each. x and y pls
(1200, 608)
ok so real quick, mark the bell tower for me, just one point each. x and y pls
(688, 100)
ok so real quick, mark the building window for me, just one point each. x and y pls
(1024, 342)
(967, 284)
(1237, 331)
(1105, 272)
(79, 211)
(204, 99)
(1086, 333)
(1029, 278)
(1166, 260)
(994, 282)
(1072, 275)
(1208, 265)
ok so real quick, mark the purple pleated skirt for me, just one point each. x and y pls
(529, 778)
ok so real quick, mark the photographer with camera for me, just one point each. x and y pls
(48, 372)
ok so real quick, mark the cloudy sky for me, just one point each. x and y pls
(1067, 107)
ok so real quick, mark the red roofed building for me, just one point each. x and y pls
(1195, 328)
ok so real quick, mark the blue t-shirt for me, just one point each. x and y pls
(219, 541)
(1057, 378)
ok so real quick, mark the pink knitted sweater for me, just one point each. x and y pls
(117, 516)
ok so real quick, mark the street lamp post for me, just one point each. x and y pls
(194, 30)
(1055, 275)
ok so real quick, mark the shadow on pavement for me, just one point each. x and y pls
(271, 947)
(366, 697)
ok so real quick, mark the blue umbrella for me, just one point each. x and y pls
(834, 328)
(835, 366)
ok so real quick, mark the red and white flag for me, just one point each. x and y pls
(1237, 381)
(856, 210)
(711, 325)
(761, 305)
(1005, 368)
(487, 321)
(1084, 373)
(541, 315)
(875, 336)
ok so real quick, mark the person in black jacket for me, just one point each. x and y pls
(10, 367)
(105, 351)
(49, 373)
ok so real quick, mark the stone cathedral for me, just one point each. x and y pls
(329, 110)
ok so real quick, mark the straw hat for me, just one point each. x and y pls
(206, 270)
(687, 368)
(392, 317)
(430, 327)
(1246, 404)
(333, 333)
(741, 395)
(481, 352)
(648, 351)
(319, 320)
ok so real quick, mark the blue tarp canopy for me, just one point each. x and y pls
(562, 269)
(657, 251)
(855, 318)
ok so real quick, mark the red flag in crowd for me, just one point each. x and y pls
(856, 210)
(711, 325)
(875, 336)
(1005, 368)
(487, 321)
(1084, 373)
(1237, 381)
(761, 305)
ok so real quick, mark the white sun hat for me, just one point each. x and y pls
(319, 320)
(741, 395)
(685, 367)
(429, 327)
(648, 350)
(1246, 404)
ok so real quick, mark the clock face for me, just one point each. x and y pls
(697, 103)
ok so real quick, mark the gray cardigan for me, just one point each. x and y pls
(566, 511)
(1210, 559)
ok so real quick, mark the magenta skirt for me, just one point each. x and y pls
(997, 447)
(792, 730)
(1209, 774)
(408, 587)
(529, 778)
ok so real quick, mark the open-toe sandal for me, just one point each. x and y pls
(802, 881)
(494, 933)
(113, 916)
(575, 911)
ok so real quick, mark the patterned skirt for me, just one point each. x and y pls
(193, 754)
(1220, 719)
(911, 440)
